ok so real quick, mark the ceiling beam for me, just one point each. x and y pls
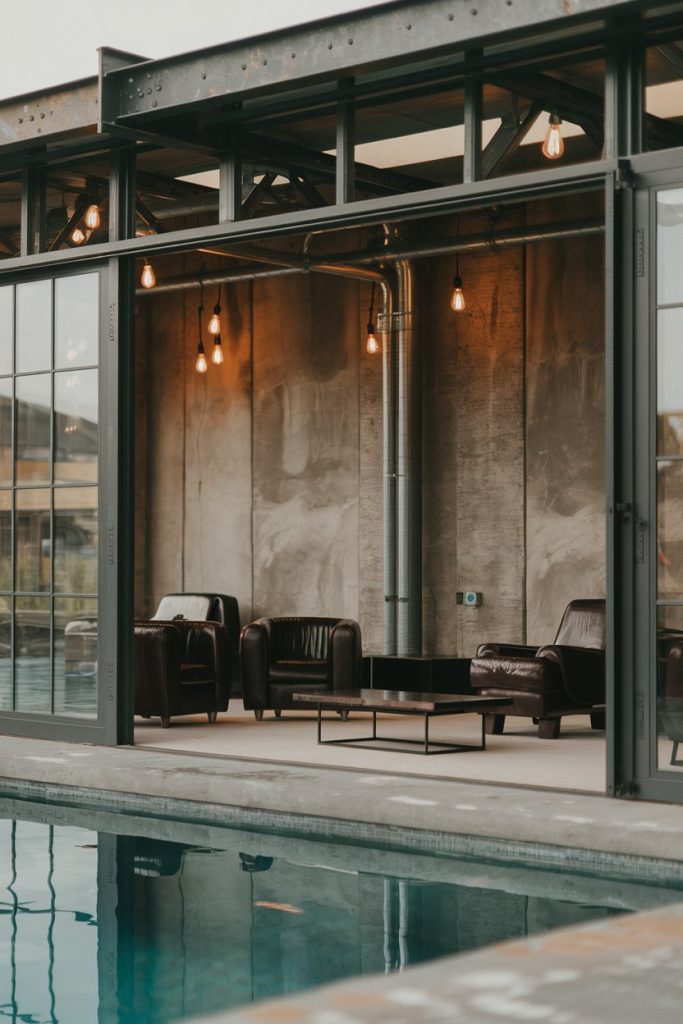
(508, 139)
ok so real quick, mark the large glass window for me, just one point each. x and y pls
(669, 477)
(49, 499)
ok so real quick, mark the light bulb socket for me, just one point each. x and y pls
(457, 281)
(371, 328)
(217, 309)
(554, 119)
(200, 348)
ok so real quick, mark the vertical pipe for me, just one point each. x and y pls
(409, 468)
(385, 327)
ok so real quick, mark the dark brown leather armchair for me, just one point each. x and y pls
(284, 655)
(544, 683)
(180, 668)
(213, 608)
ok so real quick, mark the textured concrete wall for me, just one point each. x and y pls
(473, 494)
(306, 446)
(565, 374)
(264, 477)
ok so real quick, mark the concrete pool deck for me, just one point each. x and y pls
(391, 810)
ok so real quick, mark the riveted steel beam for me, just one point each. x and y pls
(366, 41)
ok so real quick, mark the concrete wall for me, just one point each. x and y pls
(263, 478)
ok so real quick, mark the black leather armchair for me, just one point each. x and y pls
(280, 656)
(545, 683)
(180, 668)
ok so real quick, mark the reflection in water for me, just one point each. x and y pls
(97, 927)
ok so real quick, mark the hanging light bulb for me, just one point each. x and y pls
(372, 343)
(215, 321)
(78, 236)
(92, 217)
(458, 297)
(553, 144)
(148, 278)
(201, 365)
(217, 354)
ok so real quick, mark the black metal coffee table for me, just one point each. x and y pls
(399, 702)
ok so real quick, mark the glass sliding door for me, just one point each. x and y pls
(50, 503)
(656, 518)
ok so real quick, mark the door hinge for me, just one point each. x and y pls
(624, 177)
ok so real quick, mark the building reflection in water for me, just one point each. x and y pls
(107, 928)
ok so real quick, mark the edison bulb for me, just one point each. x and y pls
(77, 236)
(553, 144)
(458, 297)
(217, 354)
(148, 278)
(92, 217)
(215, 321)
(201, 366)
(372, 344)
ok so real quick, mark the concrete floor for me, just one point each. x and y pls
(575, 761)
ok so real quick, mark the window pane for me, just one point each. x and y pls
(669, 686)
(76, 435)
(670, 382)
(669, 245)
(5, 430)
(76, 540)
(32, 674)
(5, 541)
(76, 320)
(32, 548)
(6, 327)
(6, 653)
(75, 656)
(33, 428)
(34, 326)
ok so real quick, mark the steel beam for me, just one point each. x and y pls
(429, 203)
(346, 148)
(230, 182)
(66, 110)
(473, 116)
(400, 32)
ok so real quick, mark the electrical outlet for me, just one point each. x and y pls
(469, 598)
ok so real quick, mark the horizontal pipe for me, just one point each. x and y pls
(348, 265)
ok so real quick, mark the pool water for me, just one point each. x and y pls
(97, 926)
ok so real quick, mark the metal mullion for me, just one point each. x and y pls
(230, 182)
(473, 122)
(345, 179)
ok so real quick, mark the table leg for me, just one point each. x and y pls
(426, 734)
(374, 725)
(483, 732)
(320, 724)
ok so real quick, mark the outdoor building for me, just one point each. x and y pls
(441, 396)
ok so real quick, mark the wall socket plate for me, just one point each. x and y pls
(469, 598)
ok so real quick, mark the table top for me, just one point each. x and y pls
(401, 700)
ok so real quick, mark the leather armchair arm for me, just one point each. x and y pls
(207, 643)
(527, 675)
(345, 653)
(156, 667)
(582, 670)
(254, 661)
(506, 650)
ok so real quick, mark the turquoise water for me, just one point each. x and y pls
(96, 926)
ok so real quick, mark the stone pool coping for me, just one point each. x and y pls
(625, 970)
(572, 830)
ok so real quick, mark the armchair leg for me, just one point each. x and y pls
(212, 716)
(494, 724)
(597, 719)
(258, 714)
(278, 712)
(548, 728)
(344, 715)
(165, 721)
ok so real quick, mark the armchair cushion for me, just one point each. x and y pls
(582, 670)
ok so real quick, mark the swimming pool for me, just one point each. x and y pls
(111, 926)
